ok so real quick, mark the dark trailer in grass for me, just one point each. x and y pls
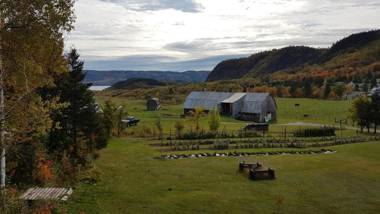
(130, 121)
(257, 171)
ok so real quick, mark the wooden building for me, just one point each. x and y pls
(153, 104)
(257, 107)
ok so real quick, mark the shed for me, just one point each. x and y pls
(153, 104)
(258, 107)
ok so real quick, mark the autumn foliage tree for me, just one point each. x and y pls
(31, 40)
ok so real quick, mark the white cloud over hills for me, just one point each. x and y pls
(196, 34)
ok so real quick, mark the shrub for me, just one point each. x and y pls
(315, 132)
(90, 176)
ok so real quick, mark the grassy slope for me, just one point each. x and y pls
(134, 182)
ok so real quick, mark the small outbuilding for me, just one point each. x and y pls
(257, 107)
(153, 104)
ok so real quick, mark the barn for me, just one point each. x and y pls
(258, 107)
(153, 104)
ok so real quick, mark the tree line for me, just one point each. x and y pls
(365, 112)
(51, 125)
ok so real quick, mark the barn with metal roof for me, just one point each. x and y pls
(258, 107)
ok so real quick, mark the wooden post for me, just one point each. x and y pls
(285, 133)
(170, 135)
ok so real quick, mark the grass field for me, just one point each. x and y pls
(318, 111)
(132, 181)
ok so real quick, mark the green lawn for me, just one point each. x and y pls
(134, 182)
(319, 111)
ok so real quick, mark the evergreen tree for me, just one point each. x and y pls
(77, 129)
(307, 88)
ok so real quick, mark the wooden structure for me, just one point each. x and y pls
(257, 107)
(39, 193)
(153, 104)
(257, 171)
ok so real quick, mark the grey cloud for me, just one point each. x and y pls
(182, 5)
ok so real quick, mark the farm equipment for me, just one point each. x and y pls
(130, 121)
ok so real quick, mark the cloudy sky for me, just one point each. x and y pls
(183, 35)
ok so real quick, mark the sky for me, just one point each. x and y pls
(179, 35)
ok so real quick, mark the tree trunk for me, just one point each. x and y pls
(375, 128)
(2, 115)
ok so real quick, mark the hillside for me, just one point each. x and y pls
(137, 83)
(112, 77)
(355, 51)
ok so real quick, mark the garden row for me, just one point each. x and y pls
(267, 139)
(263, 143)
(244, 154)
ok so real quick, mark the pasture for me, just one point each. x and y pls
(133, 181)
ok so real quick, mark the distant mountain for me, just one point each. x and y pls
(355, 52)
(111, 77)
(136, 83)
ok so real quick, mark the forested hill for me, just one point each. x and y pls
(135, 83)
(112, 77)
(361, 49)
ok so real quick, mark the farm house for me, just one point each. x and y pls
(258, 107)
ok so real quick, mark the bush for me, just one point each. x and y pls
(201, 135)
(90, 176)
(315, 132)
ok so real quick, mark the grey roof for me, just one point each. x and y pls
(154, 98)
(206, 100)
(234, 98)
(253, 102)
